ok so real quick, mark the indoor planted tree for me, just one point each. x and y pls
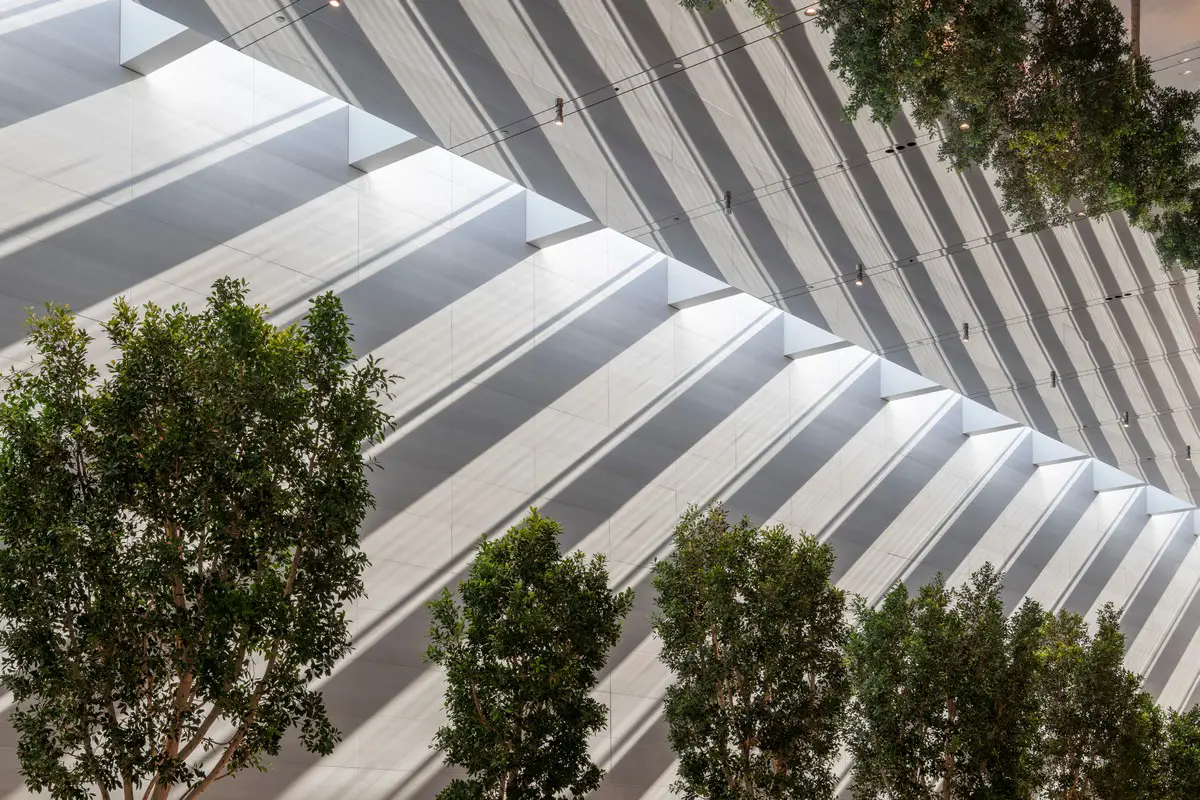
(1101, 732)
(178, 537)
(1177, 233)
(945, 694)
(753, 631)
(1051, 95)
(521, 648)
(1179, 756)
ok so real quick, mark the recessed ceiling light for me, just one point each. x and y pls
(811, 11)
(1081, 214)
(281, 18)
(335, 3)
(678, 65)
(1184, 60)
(1187, 72)
(964, 126)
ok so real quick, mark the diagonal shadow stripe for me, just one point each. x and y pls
(58, 61)
(108, 253)
(1040, 545)
(773, 483)
(1170, 655)
(501, 403)
(682, 419)
(647, 759)
(1125, 532)
(1148, 595)
(905, 477)
(972, 523)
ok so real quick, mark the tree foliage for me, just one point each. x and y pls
(1177, 232)
(763, 9)
(521, 649)
(945, 694)
(1101, 732)
(1179, 756)
(1048, 94)
(179, 538)
(753, 631)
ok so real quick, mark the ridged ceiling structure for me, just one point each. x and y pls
(722, 143)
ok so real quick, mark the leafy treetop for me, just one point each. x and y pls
(179, 539)
(521, 649)
(753, 631)
(945, 694)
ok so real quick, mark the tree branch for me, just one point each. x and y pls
(256, 699)
(217, 708)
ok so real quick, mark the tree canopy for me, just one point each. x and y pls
(178, 537)
(1179, 758)
(521, 648)
(945, 694)
(753, 631)
(1048, 94)
(1101, 733)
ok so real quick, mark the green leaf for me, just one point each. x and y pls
(180, 535)
(752, 630)
(521, 646)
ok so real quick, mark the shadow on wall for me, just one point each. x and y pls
(359, 71)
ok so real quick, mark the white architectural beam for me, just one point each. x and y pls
(1106, 478)
(1051, 451)
(896, 382)
(978, 418)
(688, 286)
(150, 41)
(1159, 502)
(802, 338)
(374, 143)
(547, 222)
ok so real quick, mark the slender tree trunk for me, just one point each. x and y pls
(1135, 26)
(948, 780)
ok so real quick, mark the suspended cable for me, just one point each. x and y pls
(305, 15)
(675, 62)
(785, 183)
(616, 89)
(1060, 377)
(1034, 316)
(257, 21)
(929, 255)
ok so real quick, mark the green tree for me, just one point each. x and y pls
(1060, 135)
(945, 694)
(1179, 758)
(1050, 95)
(763, 9)
(1177, 233)
(521, 651)
(179, 539)
(1101, 731)
(753, 631)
